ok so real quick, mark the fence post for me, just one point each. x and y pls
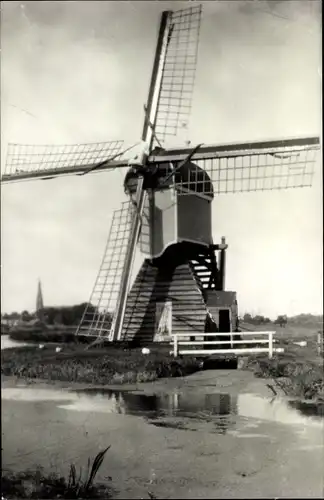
(175, 345)
(270, 345)
(319, 343)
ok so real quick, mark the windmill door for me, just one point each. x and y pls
(163, 321)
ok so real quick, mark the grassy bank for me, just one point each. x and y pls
(102, 365)
(298, 371)
(297, 377)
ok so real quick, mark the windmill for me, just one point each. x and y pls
(181, 284)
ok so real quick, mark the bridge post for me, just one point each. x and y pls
(175, 345)
(270, 345)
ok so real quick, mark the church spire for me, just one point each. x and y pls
(39, 301)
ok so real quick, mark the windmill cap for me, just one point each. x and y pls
(190, 177)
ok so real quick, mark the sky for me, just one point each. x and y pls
(79, 72)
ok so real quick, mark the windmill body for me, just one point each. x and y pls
(170, 218)
(181, 284)
(180, 276)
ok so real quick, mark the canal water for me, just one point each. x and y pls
(189, 442)
(7, 342)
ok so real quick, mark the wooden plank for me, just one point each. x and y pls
(223, 334)
(197, 342)
(146, 298)
(194, 352)
(168, 294)
(177, 315)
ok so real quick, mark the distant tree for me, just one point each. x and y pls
(26, 316)
(69, 316)
(281, 321)
(58, 318)
(258, 319)
(247, 318)
(49, 315)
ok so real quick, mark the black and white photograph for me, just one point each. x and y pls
(161, 249)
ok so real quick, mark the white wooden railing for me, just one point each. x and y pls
(269, 341)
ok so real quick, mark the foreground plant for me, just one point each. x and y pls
(31, 484)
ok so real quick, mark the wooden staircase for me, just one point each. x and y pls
(204, 267)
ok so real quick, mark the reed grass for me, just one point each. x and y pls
(300, 378)
(101, 365)
(35, 484)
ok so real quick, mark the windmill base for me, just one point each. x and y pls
(170, 299)
(161, 300)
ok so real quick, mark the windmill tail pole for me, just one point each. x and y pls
(222, 247)
(126, 276)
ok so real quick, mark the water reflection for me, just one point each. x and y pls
(173, 410)
(172, 404)
(216, 408)
(176, 409)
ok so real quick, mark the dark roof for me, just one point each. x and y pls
(220, 298)
(189, 176)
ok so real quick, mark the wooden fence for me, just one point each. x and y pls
(231, 339)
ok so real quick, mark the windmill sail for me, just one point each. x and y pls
(245, 167)
(98, 316)
(178, 72)
(25, 162)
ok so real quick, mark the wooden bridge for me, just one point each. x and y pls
(233, 343)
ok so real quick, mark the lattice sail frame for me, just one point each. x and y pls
(41, 160)
(178, 72)
(271, 165)
(99, 314)
(25, 162)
